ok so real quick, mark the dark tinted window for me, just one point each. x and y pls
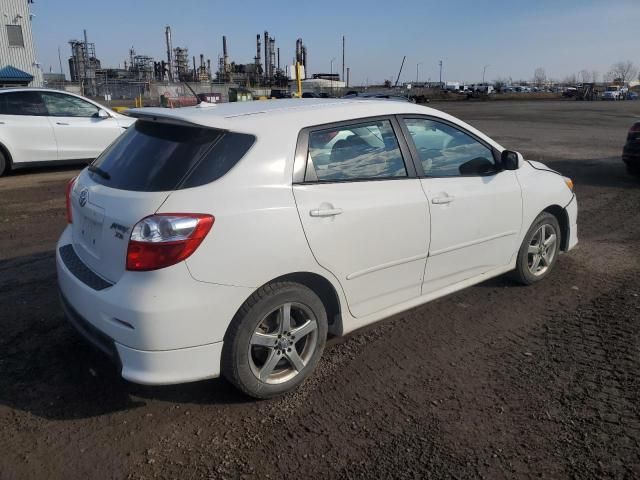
(154, 157)
(21, 103)
(356, 152)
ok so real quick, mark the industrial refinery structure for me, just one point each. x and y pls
(142, 72)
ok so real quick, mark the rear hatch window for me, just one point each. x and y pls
(156, 157)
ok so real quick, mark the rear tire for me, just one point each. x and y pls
(539, 250)
(275, 340)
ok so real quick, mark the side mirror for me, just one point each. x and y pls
(103, 114)
(510, 160)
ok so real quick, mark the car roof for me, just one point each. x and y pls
(256, 116)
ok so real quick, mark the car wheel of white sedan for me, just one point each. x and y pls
(276, 340)
(3, 164)
(539, 250)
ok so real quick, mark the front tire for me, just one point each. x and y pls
(633, 169)
(275, 340)
(539, 250)
(4, 165)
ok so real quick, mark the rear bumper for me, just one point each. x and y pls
(161, 327)
(150, 367)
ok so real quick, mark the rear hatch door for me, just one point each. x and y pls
(135, 175)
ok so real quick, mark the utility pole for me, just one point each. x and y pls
(440, 63)
(343, 57)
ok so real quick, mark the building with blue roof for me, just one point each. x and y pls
(18, 62)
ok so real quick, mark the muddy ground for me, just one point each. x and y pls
(497, 381)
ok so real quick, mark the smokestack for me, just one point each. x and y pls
(348, 71)
(266, 54)
(299, 50)
(258, 52)
(304, 60)
(225, 53)
(278, 58)
(167, 33)
(195, 72)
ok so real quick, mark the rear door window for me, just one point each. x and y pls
(155, 157)
(22, 103)
(356, 152)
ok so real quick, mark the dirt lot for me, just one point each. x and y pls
(497, 381)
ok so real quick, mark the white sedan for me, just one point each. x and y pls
(45, 127)
(296, 218)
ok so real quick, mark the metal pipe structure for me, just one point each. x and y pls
(86, 62)
(167, 33)
(266, 55)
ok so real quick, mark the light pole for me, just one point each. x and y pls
(483, 72)
(417, 71)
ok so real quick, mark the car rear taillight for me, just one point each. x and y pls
(70, 186)
(165, 239)
(635, 128)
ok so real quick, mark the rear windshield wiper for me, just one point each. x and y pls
(99, 171)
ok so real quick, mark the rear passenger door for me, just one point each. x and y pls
(24, 128)
(363, 210)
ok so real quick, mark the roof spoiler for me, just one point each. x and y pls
(160, 117)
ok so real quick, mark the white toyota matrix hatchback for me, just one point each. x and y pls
(232, 239)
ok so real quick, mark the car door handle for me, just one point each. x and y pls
(443, 200)
(325, 212)
(61, 123)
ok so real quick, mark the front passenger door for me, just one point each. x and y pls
(476, 208)
(80, 133)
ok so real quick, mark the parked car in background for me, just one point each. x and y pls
(614, 92)
(204, 241)
(46, 127)
(631, 150)
(376, 96)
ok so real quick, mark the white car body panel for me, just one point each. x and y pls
(465, 240)
(389, 250)
(377, 247)
(35, 138)
(28, 139)
(82, 138)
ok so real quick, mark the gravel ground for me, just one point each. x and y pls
(497, 381)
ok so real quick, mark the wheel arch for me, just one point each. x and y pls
(7, 155)
(563, 219)
(324, 289)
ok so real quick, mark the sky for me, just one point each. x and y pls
(511, 38)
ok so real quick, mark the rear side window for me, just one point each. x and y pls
(155, 157)
(22, 103)
(356, 152)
